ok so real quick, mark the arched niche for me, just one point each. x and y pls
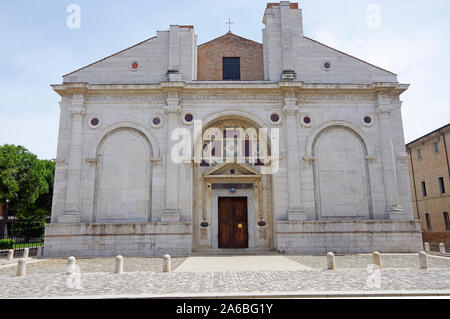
(123, 177)
(341, 175)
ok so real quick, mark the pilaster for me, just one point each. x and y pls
(392, 203)
(72, 206)
(290, 109)
(171, 211)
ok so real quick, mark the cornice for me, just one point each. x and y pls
(393, 88)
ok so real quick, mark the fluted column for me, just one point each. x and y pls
(295, 211)
(72, 208)
(171, 212)
(392, 202)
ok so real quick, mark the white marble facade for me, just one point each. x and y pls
(342, 183)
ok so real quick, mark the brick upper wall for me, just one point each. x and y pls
(210, 56)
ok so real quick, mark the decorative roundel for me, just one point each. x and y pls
(94, 122)
(261, 223)
(327, 66)
(233, 190)
(275, 118)
(204, 224)
(188, 118)
(232, 171)
(306, 120)
(367, 120)
(134, 66)
(156, 121)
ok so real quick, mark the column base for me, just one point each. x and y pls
(296, 214)
(170, 216)
(69, 218)
(396, 212)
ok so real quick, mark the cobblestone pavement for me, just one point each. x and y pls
(361, 261)
(47, 278)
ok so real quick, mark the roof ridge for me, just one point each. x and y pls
(228, 33)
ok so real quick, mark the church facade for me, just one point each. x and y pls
(232, 145)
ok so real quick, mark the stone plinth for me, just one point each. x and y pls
(351, 236)
(134, 239)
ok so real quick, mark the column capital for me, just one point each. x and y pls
(383, 103)
(77, 105)
(77, 109)
(172, 103)
(290, 107)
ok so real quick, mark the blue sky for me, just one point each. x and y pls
(37, 48)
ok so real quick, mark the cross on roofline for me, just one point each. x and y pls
(229, 24)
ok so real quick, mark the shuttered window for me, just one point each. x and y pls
(231, 69)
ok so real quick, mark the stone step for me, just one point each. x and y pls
(226, 252)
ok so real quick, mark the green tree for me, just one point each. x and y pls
(43, 204)
(22, 179)
(28, 226)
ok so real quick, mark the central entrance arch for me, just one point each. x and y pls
(232, 198)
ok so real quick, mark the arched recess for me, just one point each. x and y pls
(312, 137)
(341, 174)
(229, 114)
(123, 177)
(206, 195)
(100, 136)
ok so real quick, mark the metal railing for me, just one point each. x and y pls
(18, 244)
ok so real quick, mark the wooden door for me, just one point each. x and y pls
(233, 226)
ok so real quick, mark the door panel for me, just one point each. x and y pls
(233, 226)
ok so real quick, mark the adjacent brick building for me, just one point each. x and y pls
(429, 172)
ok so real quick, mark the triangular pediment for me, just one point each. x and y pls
(231, 169)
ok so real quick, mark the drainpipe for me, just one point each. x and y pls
(414, 181)
(446, 154)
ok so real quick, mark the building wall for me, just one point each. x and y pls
(210, 56)
(428, 169)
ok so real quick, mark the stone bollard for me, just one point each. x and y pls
(166, 263)
(423, 260)
(427, 247)
(10, 256)
(330, 261)
(21, 267)
(71, 265)
(442, 248)
(39, 252)
(26, 251)
(119, 265)
(377, 258)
